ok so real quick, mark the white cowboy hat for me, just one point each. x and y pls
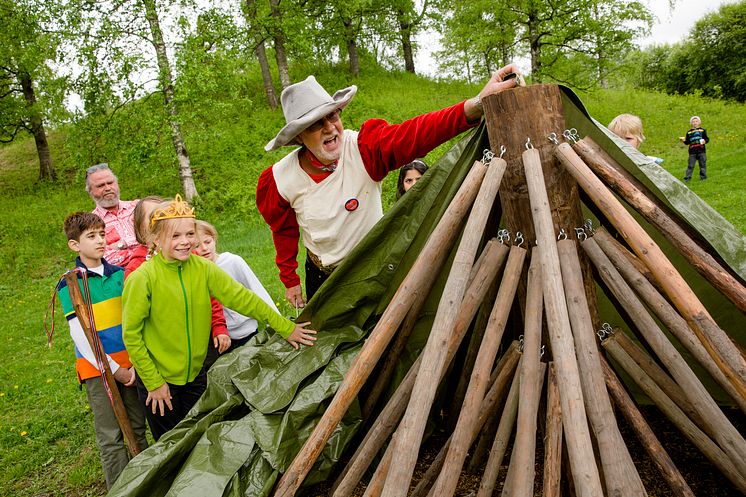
(305, 103)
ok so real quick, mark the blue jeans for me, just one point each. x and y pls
(702, 158)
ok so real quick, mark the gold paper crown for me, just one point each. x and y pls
(176, 209)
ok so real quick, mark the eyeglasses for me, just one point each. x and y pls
(98, 167)
(332, 117)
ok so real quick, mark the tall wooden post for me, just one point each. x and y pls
(534, 112)
(76, 297)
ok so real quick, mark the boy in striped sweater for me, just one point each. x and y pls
(86, 236)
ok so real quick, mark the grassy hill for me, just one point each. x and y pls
(46, 437)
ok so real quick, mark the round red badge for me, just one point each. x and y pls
(352, 204)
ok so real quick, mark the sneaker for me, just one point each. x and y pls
(686, 180)
(703, 179)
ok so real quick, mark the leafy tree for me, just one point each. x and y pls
(29, 88)
(716, 53)
(554, 34)
(125, 41)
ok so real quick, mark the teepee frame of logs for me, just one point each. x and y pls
(537, 183)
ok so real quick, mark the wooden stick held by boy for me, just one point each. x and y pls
(81, 310)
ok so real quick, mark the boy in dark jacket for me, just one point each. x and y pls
(696, 138)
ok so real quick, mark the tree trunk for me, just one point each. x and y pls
(261, 55)
(405, 33)
(269, 87)
(46, 168)
(167, 86)
(279, 38)
(351, 44)
(534, 43)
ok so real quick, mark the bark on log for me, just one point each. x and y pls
(716, 341)
(610, 172)
(620, 257)
(493, 258)
(411, 430)
(423, 273)
(462, 436)
(620, 475)
(716, 423)
(579, 446)
(645, 434)
(553, 437)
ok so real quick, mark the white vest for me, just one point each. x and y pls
(337, 213)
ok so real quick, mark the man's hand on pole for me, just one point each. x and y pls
(497, 83)
(294, 295)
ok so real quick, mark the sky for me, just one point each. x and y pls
(670, 26)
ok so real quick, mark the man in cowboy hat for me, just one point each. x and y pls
(329, 189)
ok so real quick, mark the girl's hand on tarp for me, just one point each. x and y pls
(301, 335)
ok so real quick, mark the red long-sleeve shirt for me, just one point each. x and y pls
(384, 147)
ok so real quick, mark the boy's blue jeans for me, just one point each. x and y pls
(109, 438)
(700, 157)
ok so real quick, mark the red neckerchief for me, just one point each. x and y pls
(318, 164)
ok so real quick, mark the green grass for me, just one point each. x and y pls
(46, 435)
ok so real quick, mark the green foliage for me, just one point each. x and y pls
(28, 50)
(710, 62)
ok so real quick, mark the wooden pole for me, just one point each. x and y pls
(716, 341)
(513, 484)
(611, 173)
(710, 449)
(665, 312)
(388, 367)
(652, 369)
(120, 412)
(716, 423)
(492, 259)
(504, 429)
(552, 437)
(524, 450)
(579, 446)
(500, 379)
(503, 373)
(619, 471)
(411, 430)
(647, 437)
(462, 435)
(424, 271)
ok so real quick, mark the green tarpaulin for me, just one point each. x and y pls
(264, 399)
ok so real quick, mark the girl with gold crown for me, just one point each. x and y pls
(166, 317)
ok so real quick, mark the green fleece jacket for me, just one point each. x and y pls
(166, 315)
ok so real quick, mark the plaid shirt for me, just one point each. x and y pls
(120, 232)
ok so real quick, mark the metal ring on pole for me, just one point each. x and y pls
(529, 145)
(553, 138)
(519, 238)
(487, 156)
(562, 234)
